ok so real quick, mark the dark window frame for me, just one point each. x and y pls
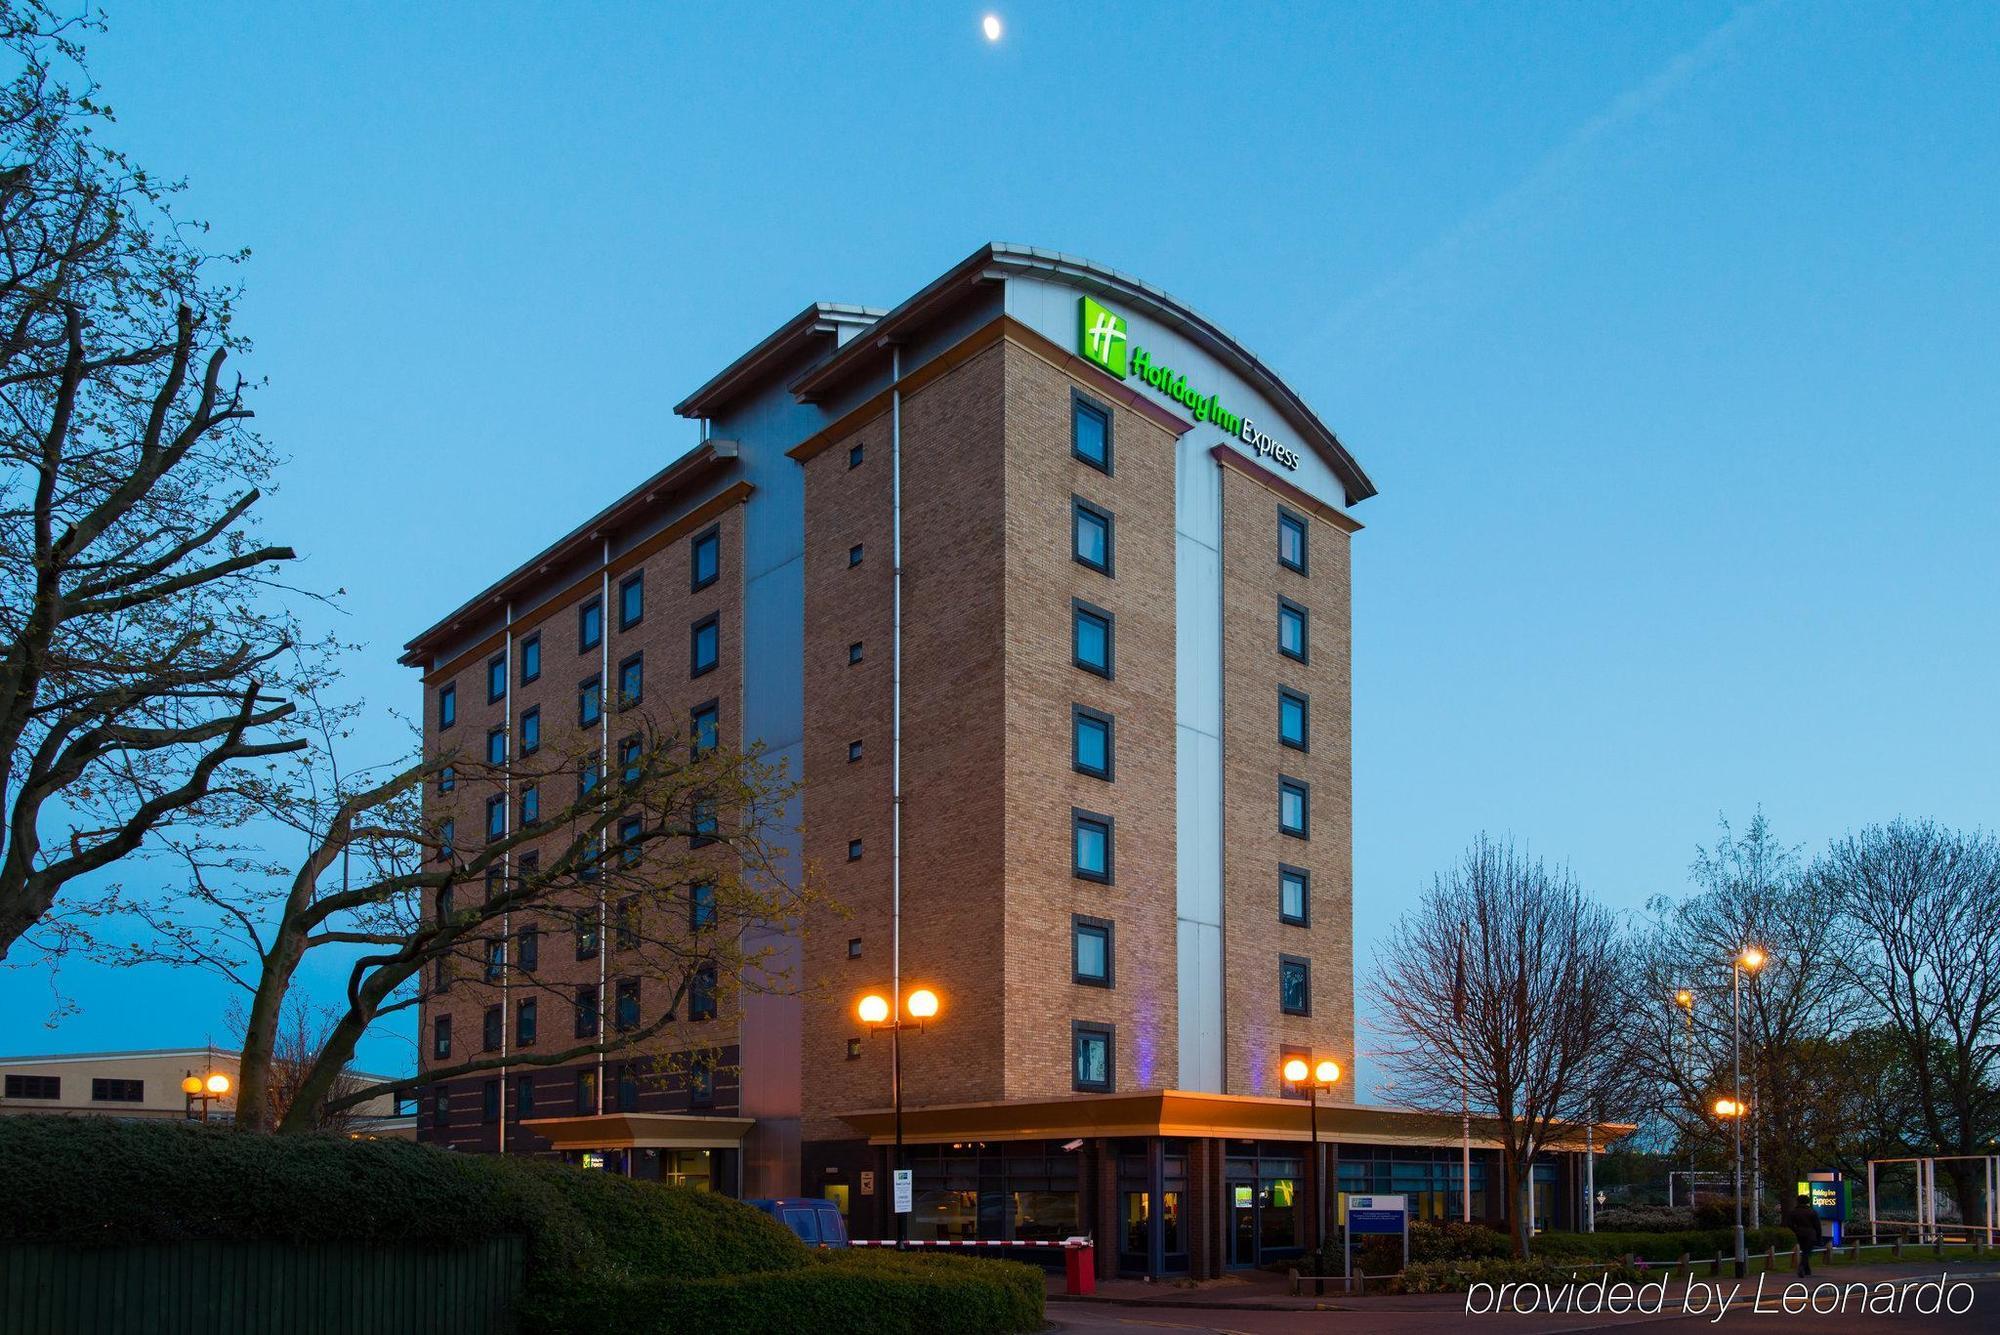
(711, 709)
(713, 621)
(1300, 962)
(1079, 817)
(1078, 609)
(856, 453)
(440, 1037)
(631, 662)
(585, 641)
(854, 751)
(496, 747)
(447, 705)
(703, 1001)
(1288, 515)
(496, 829)
(496, 675)
(1080, 403)
(1303, 700)
(628, 987)
(1078, 715)
(855, 653)
(1304, 831)
(586, 1021)
(1079, 923)
(493, 1028)
(117, 1089)
(855, 554)
(489, 1102)
(26, 1085)
(854, 850)
(702, 911)
(1304, 613)
(531, 658)
(626, 586)
(528, 948)
(527, 1022)
(1109, 1033)
(709, 537)
(585, 718)
(1304, 918)
(1078, 507)
(531, 730)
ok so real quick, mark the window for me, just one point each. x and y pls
(701, 1083)
(854, 1049)
(631, 752)
(701, 994)
(630, 831)
(1291, 541)
(589, 702)
(495, 881)
(441, 1036)
(854, 455)
(701, 729)
(1293, 641)
(531, 658)
(589, 626)
(444, 903)
(531, 863)
(531, 804)
(590, 861)
(854, 652)
(702, 817)
(631, 681)
(447, 779)
(1294, 719)
(586, 1093)
(1090, 431)
(586, 1011)
(854, 555)
(524, 1090)
(496, 816)
(705, 558)
(440, 1107)
(631, 600)
(495, 1029)
(524, 1022)
(447, 705)
(528, 949)
(1294, 799)
(496, 959)
(1090, 638)
(117, 1091)
(489, 1101)
(627, 1015)
(586, 935)
(854, 850)
(1090, 742)
(704, 645)
(1294, 985)
(1090, 535)
(447, 840)
(590, 775)
(854, 947)
(854, 751)
(496, 747)
(628, 1088)
(701, 907)
(496, 678)
(441, 976)
(1090, 1048)
(34, 1086)
(1090, 952)
(531, 731)
(1090, 840)
(1294, 896)
(625, 924)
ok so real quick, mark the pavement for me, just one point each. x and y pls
(1254, 1303)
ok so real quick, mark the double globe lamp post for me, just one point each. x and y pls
(204, 1088)
(1732, 1107)
(1314, 1077)
(879, 1013)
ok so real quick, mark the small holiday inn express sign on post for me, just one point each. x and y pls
(1103, 339)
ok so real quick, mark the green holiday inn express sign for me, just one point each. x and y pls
(1102, 338)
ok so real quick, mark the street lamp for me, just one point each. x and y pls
(879, 1012)
(1749, 958)
(205, 1088)
(1325, 1075)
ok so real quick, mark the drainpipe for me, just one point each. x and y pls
(896, 760)
(603, 775)
(506, 863)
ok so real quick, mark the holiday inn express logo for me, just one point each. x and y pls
(1103, 338)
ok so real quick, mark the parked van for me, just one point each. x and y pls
(817, 1222)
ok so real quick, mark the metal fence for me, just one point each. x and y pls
(217, 1288)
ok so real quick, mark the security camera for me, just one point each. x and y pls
(1073, 1144)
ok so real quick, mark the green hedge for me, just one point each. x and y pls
(851, 1292)
(93, 1181)
(1657, 1247)
(1458, 1276)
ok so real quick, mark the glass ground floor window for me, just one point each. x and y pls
(1019, 1191)
(1264, 1193)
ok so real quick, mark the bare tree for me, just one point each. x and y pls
(301, 1037)
(1927, 903)
(1797, 1009)
(139, 652)
(1503, 986)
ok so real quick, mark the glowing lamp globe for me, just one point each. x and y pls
(1295, 1070)
(922, 1004)
(873, 1009)
(1752, 958)
(191, 1085)
(218, 1084)
(1327, 1072)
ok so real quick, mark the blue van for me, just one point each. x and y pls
(817, 1222)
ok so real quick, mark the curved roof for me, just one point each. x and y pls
(999, 260)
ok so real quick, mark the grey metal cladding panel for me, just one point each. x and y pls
(1199, 961)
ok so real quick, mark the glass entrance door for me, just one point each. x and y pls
(1242, 1222)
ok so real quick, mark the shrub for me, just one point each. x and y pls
(1655, 1247)
(93, 1181)
(1458, 1276)
(1648, 1219)
(843, 1292)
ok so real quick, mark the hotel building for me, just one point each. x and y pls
(1040, 581)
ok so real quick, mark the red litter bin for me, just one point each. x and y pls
(1080, 1270)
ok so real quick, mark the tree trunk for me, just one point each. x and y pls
(260, 1032)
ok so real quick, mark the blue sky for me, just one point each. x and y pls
(1669, 334)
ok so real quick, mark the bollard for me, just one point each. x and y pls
(1293, 1272)
(1716, 1267)
(1897, 1249)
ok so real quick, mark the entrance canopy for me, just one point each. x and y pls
(642, 1131)
(1185, 1113)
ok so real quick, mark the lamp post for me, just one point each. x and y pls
(1685, 1000)
(205, 1088)
(1752, 959)
(1324, 1075)
(878, 1013)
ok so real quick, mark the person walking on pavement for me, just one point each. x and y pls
(1803, 1220)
